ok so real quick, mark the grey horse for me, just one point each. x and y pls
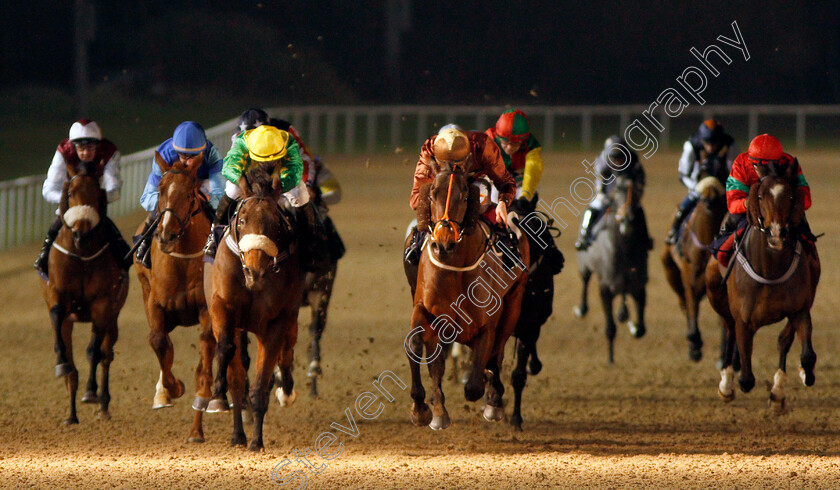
(618, 255)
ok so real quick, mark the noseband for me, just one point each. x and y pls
(236, 235)
(184, 224)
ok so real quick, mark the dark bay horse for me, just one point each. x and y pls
(618, 255)
(536, 309)
(85, 285)
(317, 291)
(685, 262)
(173, 289)
(255, 285)
(775, 277)
(464, 293)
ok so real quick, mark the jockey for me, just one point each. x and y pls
(480, 158)
(522, 155)
(709, 152)
(84, 144)
(611, 162)
(765, 150)
(187, 142)
(268, 145)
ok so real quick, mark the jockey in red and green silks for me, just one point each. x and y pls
(520, 150)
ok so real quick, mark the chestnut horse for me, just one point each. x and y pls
(685, 262)
(618, 255)
(85, 285)
(173, 289)
(456, 262)
(774, 278)
(255, 285)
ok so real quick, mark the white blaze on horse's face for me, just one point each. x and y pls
(775, 240)
(79, 213)
(258, 242)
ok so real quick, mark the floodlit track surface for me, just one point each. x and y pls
(652, 419)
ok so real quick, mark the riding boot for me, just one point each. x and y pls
(586, 226)
(412, 252)
(336, 245)
(120, 249)
(220, 220)
(42, 262)
(314, 249)
(671, 239)
(143, 251)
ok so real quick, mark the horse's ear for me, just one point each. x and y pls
(195, 164)
(244, 186)
(277, 187)
(753, 210)
(161, 163)
(424, 208)
(473, 207)
(761, 170)
(435, 166)
(792, 173)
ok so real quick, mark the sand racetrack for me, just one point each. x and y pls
(652, 419)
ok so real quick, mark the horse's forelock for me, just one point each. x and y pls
(260, 181)
(710, 188)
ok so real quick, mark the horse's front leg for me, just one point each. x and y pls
(203, 376)
(639, 293)
(65, 367)
(692, 308)
(581, 310)
(607, 304)
(222, 320)
(517, 379)
(268, 353)
(237, 378)
(420, 414)
(744, 337)
(729, 354)
(777, 392)
(167, 387)
(437, 368)
(94, 355)
(111, 336)
(319, 309)
(482, 349)
(808, 358)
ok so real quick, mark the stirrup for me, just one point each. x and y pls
(210, 246)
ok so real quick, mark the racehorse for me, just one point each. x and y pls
(536, 309)
(775, 276)
(685, 262)
(85, 285)
(317, 291)
(456, 262)
(173, 289)
(618, 255)
(255, 285)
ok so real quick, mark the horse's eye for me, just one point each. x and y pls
(241, 221)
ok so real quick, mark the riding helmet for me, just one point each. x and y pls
(252, 118)
(85, 130)
(765, 148)
(189, 138)
(513, 126)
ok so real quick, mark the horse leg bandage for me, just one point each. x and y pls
(257, 242)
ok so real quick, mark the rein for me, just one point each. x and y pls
(445, 220)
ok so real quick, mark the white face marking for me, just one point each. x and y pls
(79, 213)
(776, 191)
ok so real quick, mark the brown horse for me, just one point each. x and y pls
(255, 285)
(775, 277)
(464, 293)
(85, 285)
(173, 289)
(685, 262)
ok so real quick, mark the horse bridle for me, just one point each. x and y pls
(764, 230)
(445, 221)
(235, 234)
(184, 224)
(61, 215)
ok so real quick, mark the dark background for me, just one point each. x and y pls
(154, 63)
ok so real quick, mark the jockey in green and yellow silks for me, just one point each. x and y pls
(521, 152)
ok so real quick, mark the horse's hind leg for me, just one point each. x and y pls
(638, 328)
(420, 413)
(108, 342)
(808, 358)
(316, 328)
(726, 391)
(518, 378)
(777, 392)
(692, 307)
(94, 355)
(223, 331)
(437, 368)
(606, 302)
(63, 346)
(203, 376)
(581, 310)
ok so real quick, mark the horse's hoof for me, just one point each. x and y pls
(726, 397)
(62, 370)
(314, 370)
(807, 378)
(199, 404)
(696, 354)
(579, 312)
(217, 405)
(746, 384)
(71, 421)
(421, 416)
(103, 416)
(637, 331)
(254, 447)
(284, 399)
(161, 401)
(534, 367)
(516, 422)
(493, 414)
(239, 440)
(181, 389)
(440, 422)
(777, 406)
(90, 397)
(196, 439)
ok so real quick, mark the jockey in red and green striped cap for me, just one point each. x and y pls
(521, 152)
